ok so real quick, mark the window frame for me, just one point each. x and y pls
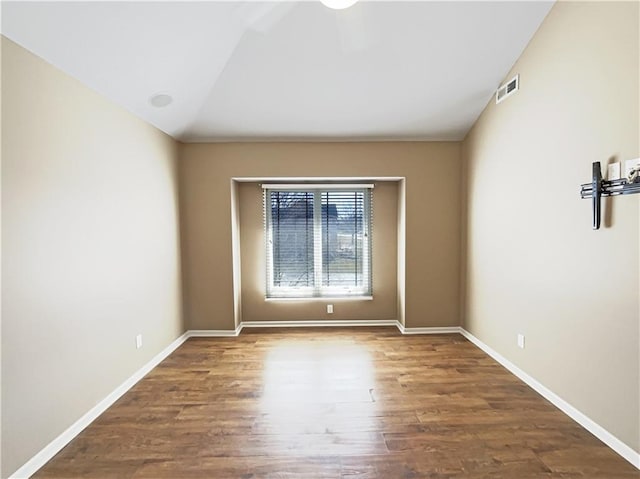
(318, 291)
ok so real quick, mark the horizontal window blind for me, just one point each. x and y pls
(292, 239)
(318, 241)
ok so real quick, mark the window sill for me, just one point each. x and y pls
(321, 298)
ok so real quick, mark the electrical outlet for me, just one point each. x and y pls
(138, 341)
(329, 308)
(521, 341)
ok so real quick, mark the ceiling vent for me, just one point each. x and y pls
(508, 89)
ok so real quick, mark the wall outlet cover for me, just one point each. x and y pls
(521, 341)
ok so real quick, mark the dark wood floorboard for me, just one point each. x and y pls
(333, 403)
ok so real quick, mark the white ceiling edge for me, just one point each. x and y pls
(308, 139)
(453, 136)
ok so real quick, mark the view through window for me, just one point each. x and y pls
(318, 240)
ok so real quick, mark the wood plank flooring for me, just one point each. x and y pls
(333, 403)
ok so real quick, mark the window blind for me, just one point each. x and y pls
(318, 241)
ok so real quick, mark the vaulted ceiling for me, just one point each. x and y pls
(239, 70)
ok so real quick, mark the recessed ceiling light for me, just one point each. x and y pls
(338, 4)
(160, 100)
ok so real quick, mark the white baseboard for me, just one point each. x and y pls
(51, 449)
(594, 428)
(318, 323)
(214, 333)
(430, 330)
(349, 323)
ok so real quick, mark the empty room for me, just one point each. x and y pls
(320, 239)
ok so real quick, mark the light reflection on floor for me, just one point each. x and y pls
(309, 386)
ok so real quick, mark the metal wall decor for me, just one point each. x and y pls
(599, 188)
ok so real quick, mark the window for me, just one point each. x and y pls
(318, 240)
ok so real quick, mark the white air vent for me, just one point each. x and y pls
(508, 89)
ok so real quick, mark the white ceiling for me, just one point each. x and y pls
(286, 70)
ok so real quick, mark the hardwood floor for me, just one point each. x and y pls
(333, 403)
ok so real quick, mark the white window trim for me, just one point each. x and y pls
(318, 292)
(321, 298)
(317, 186)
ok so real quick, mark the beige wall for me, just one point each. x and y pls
(89, 246)
(432, 172)
(383, 259)
(534, 266)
